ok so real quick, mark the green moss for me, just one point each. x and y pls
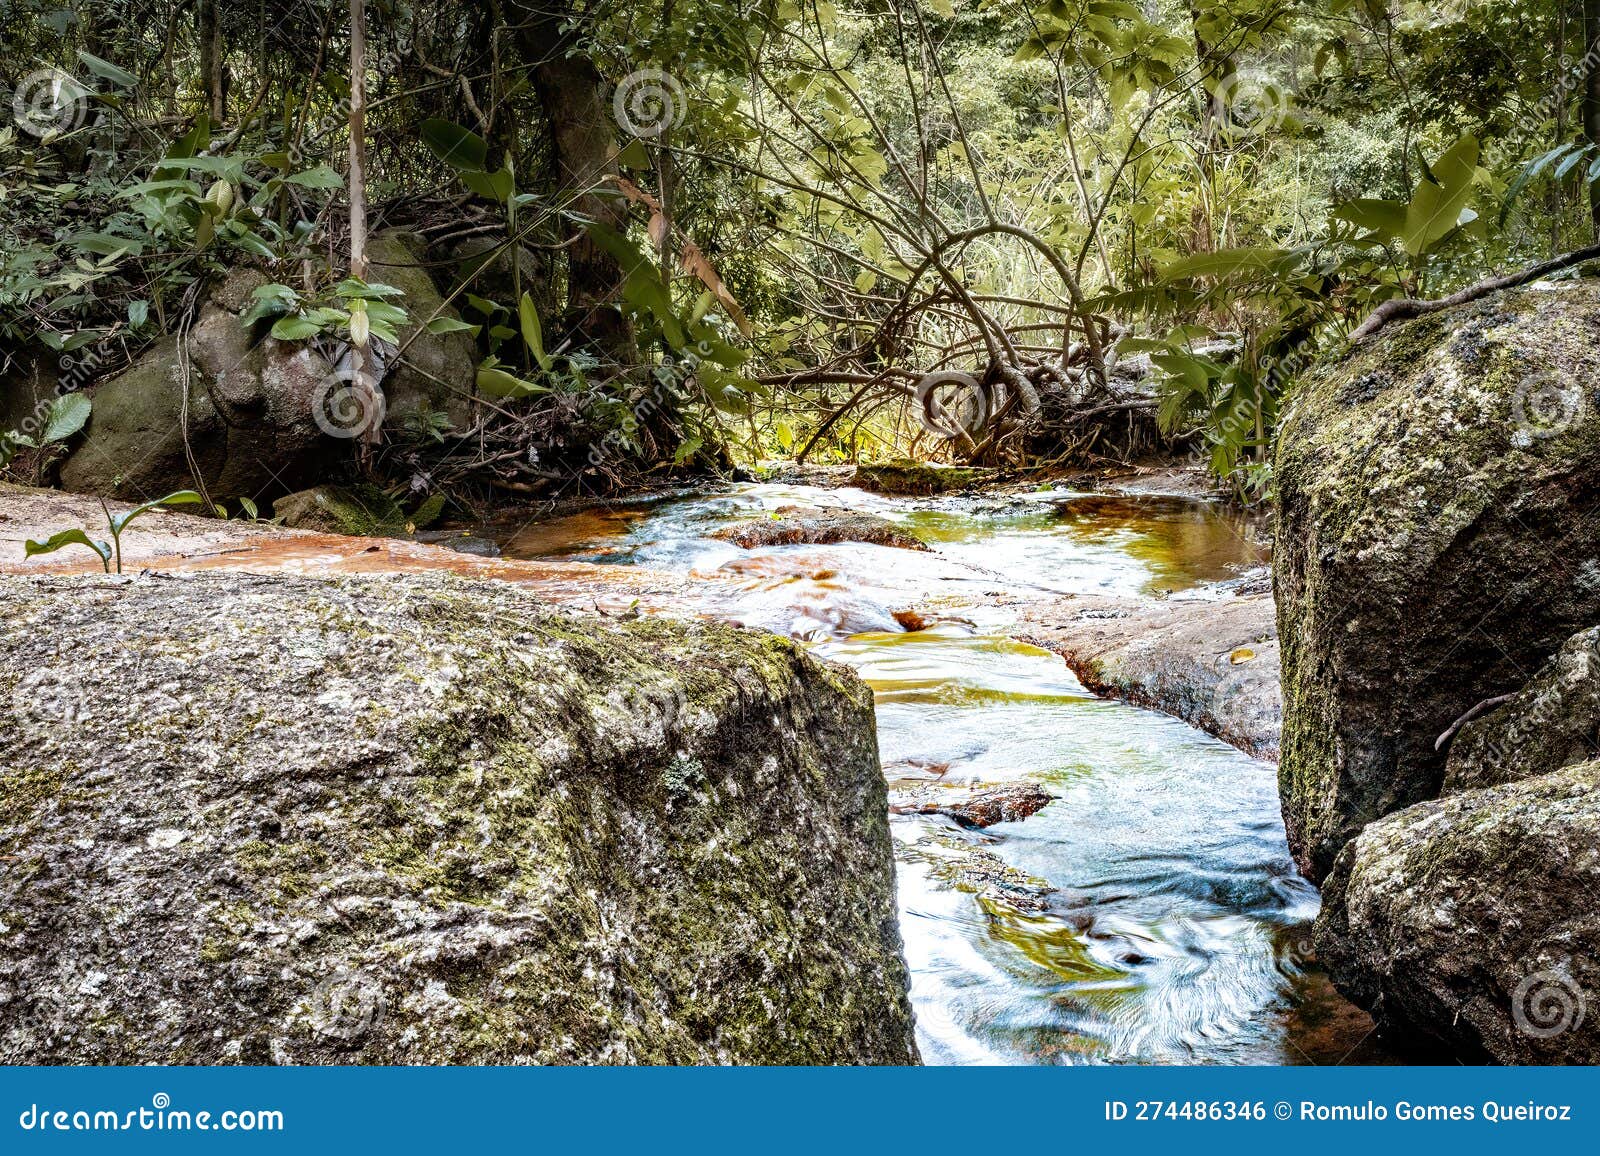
(904, 476)
(361, 511)
(24, 789)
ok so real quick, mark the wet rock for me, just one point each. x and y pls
(918, 478)
(1438, 528)
(1212, 663)
(793, 526)
(1009, 803)
(466, 544)
(1551, 723)
(416, 819)
(1473, 922)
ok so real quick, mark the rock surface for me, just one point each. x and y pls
(1551, 723)
(417, 819)
(1008, 803)
(793, 526)
(250, 420)
(1212, 663)
(1438, 532)
(1474, 921)
(917, 478)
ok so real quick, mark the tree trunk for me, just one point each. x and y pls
(211, 59)
(1591, 101)
(571, 90)
(362, 382)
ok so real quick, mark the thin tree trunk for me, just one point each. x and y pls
(361, 376)
(1591, 101)
(211, 59)
(571, 90)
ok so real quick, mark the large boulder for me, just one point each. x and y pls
(237, 412)
(249, 415)
(415, 819)
(1473, 922)
(437, 372)
(1438, 528)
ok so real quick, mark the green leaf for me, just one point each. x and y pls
(351, 289)
(295, 328)
(496, 382)
(69, 538)
(497, 186)
(457, 147)
(1436, 206)
(105, 70)
(67, 415)
(635, 156)
(532, 335)
(1385, 218)
(451, 325)
(177, 498)
(321, 177)
(107, 244)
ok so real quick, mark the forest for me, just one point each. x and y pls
(700, 235)
(724, 513)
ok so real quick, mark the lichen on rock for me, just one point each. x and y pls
(1473, 922)
(1438, 527)
(416, 819)
(1551, 723)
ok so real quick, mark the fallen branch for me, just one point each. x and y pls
(1404, 308)
(1486, 704)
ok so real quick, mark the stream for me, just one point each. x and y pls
(1151, 913)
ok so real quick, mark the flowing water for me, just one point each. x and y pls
(1151, 914)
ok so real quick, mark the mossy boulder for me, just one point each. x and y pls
(362, 511)
(904, 476)
(1438, 530)
(437, 372)
(416, 819)
(1471, 925)
(237, 412)
(261, 416)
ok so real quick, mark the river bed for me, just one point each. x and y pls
(1151, 913)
